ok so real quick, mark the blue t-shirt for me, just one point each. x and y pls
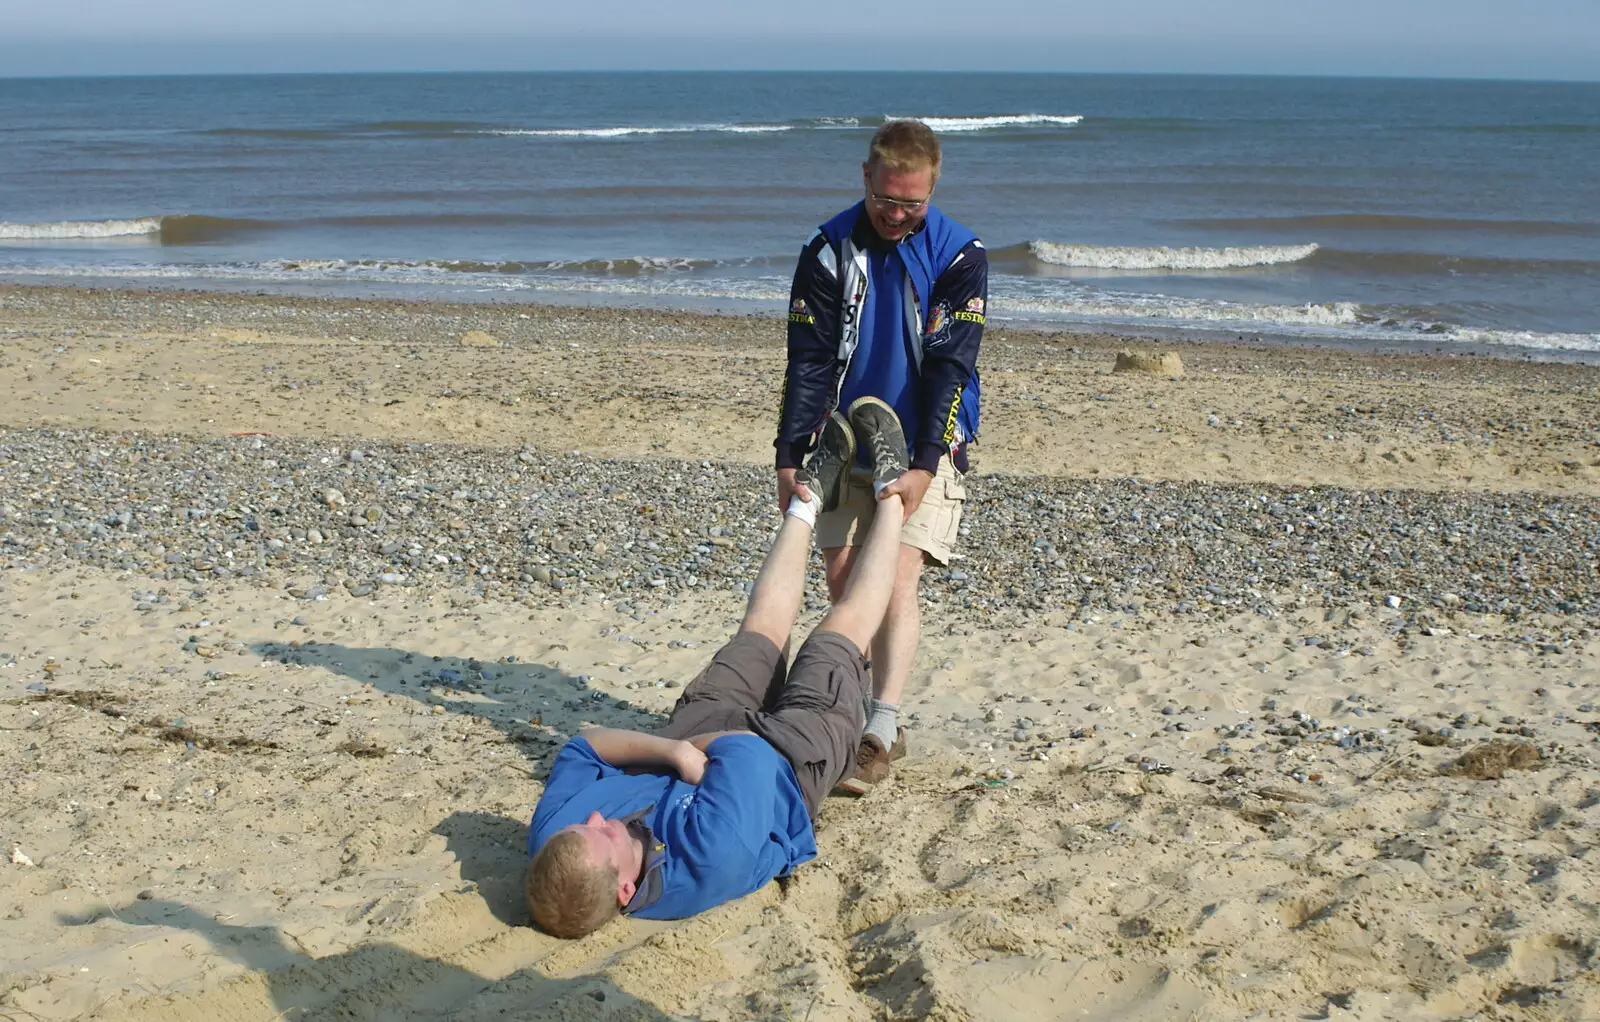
(883, 365)
(743, 824)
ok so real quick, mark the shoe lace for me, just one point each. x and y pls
(878, 440)
(867, 751)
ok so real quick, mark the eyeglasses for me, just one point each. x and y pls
(909, 205)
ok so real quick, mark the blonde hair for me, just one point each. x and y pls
(569, 895)
(905, 145)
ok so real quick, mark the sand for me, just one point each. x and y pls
(266, 831)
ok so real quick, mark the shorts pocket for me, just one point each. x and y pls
(949, 524)
(955, 487)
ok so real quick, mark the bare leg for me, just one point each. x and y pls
(780, 585)
(894, 648)
(836, 564)
(859, 611)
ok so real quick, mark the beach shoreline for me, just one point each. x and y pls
(299, 596)
(1419, 343)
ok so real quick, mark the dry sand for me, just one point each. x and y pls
(317, 831)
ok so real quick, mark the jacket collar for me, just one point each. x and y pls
(655, 856)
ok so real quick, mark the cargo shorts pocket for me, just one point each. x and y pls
(955, 497)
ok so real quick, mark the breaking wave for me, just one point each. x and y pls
(66, 230)
(1399, 222)
(626, 130)
(630, 266)
(440, 129)
(1000, 121)
(1348, 321)
(1122, 257)
(176, 229)
(939, 124)
(194, 229)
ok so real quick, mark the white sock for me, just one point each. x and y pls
(805, 510)
(882, 724)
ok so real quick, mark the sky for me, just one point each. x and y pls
(1547, 39)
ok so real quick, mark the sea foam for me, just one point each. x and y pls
(1121, 257)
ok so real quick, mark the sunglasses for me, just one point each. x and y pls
(909, 205)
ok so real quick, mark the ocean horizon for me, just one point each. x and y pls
(1461, 214)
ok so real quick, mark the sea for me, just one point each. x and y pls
(1458, 215)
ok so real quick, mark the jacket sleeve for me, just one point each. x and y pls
(813, 351)
(954, 327)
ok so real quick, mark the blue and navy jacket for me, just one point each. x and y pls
(901, 322)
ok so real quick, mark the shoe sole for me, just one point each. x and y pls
(855, 787)
(828, 474)
(902, 463)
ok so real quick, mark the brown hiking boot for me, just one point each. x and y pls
(873, 763)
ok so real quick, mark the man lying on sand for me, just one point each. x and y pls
(721, 799)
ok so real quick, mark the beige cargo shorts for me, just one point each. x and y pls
(933, 527)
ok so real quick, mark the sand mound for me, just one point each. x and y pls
(1165, 363)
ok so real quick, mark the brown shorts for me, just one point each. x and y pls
(932, 528)
(813, 713)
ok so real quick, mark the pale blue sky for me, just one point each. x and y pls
(1455, 38)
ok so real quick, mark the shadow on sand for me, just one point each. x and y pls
(378, 982)
(507, 695)
(488, 848)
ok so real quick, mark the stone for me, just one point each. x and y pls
(478, 339)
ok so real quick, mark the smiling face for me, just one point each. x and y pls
(610, 844)
(897, 199)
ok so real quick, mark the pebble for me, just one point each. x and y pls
(275, 510)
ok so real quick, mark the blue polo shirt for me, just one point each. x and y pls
(743, 824)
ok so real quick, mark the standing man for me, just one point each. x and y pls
(888, 302)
